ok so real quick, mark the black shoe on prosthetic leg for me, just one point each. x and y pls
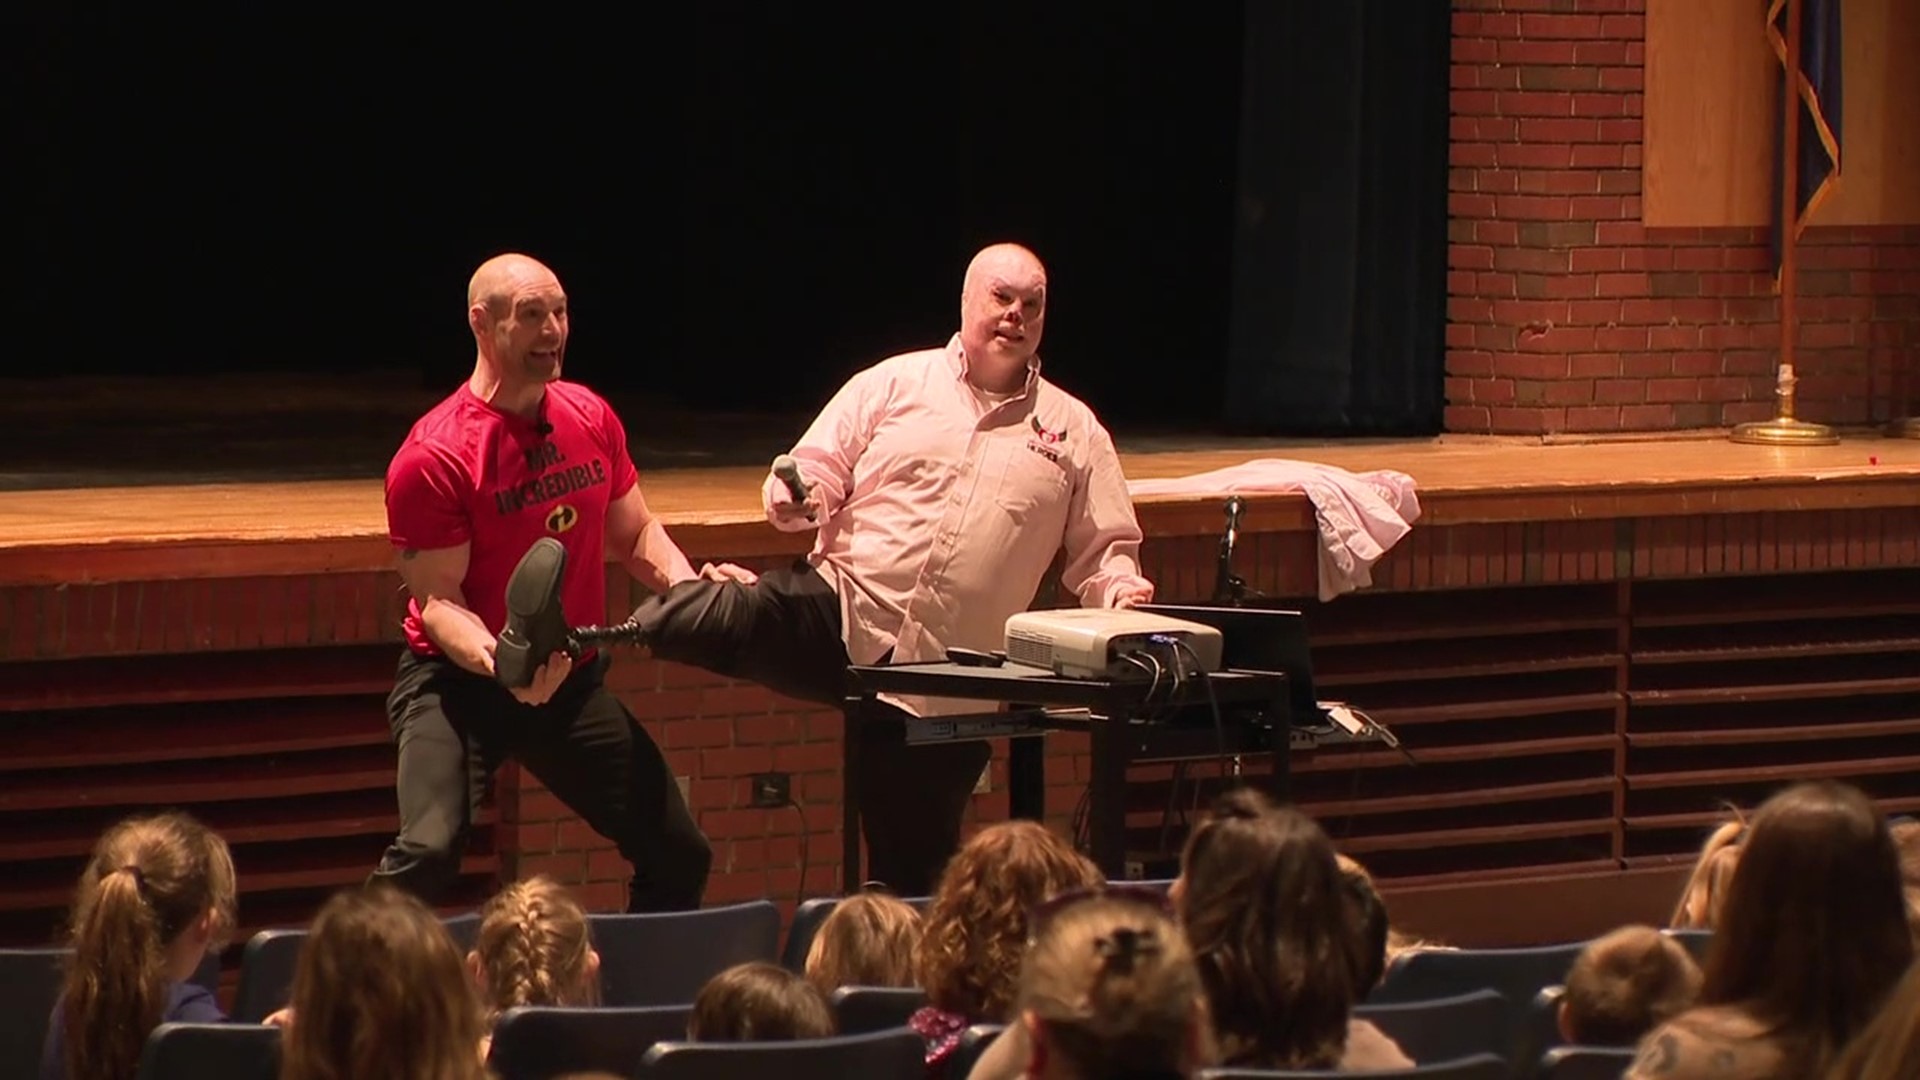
(536, 622)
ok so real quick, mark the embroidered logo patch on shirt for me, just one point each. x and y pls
(1046, 436)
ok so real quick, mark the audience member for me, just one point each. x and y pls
(380, 990)
(1624, 984)
(759, 1002)
(1372, 926)
(1108, 989)
(868, 939)
(1397, 941)
(1272, 930)
(1706, 889)
(534, 948)
(976, 927)
(1811, 938)
(156, 897)
(1906, 840)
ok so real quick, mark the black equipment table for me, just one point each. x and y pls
(1123, 724)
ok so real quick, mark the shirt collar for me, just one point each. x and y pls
(957, 363)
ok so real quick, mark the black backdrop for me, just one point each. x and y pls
(747, 201)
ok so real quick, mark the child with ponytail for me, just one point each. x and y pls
(156, 897)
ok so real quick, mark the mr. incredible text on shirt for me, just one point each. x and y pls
(469, 473)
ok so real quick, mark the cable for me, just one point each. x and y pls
(1213, 701)
(1386, 736)
(800, 890)
(1134, 659)
(1080, 826)
(1158, 671)
(1173, 803)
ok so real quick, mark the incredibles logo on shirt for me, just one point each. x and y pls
(561, 518)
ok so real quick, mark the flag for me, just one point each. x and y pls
(1813, 77)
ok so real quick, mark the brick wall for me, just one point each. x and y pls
(717, 731)
(1565, 314)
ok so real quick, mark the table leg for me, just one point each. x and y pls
(1107, 797)
(1027, 777)
(1281, 714)
(850, 868)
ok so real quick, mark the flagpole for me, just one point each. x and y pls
(1784, 429)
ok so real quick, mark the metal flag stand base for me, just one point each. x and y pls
(1784, 429)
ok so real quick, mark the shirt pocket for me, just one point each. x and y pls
(1033, 486)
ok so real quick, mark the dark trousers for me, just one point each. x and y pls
(784, 633)
(454, 728)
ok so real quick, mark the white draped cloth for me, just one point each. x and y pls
(1360, 515)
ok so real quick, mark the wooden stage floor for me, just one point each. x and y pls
(271, 474)
(50, 534)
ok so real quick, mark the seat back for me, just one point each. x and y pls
(1477, 1067)
(199, 1051)
(29, 984)
(878, 1055)
(1444, 1029)
(1584, 1063)
(463, 929)
(266, 973)
(1516, 974)
(535, 1043)
(859, 1009)
(664, 958)
(1696, 941)
(1540, 1028)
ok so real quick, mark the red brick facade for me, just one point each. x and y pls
(1566, 314)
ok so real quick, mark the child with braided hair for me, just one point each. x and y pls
(534, 948)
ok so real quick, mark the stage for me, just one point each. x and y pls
(1586, 645)
(121, 532)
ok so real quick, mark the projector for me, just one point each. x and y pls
(1093, 643)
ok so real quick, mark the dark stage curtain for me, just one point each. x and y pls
(1340, 239)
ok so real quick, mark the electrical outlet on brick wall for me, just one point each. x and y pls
(771, 789)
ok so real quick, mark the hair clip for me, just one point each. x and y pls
(1124, 946)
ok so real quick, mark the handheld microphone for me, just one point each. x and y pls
(788, 470)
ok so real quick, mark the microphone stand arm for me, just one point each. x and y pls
(1229, 588)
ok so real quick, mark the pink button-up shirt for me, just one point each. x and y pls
(942, 509)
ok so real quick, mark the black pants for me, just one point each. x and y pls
(454, 728)
(784, 633)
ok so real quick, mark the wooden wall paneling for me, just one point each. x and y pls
(1712, 116)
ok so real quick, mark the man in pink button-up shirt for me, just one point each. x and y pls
(943, 483)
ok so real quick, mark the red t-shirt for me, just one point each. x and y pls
(469, 473)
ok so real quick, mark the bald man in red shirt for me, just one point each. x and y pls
(516, 454)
